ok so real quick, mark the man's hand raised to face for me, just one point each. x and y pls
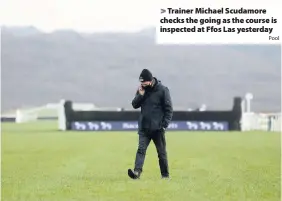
(141, 90)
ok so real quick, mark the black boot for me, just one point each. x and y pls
(133, 174)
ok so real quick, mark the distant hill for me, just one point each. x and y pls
(38, 68)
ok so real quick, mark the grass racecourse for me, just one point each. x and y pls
(40, 163)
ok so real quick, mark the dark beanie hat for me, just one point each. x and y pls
(145, 76)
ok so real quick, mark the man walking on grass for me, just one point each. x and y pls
(156, 113)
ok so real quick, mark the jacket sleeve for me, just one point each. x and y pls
(168, 108)
(136, 102)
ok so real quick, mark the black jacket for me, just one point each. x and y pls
(156, 107)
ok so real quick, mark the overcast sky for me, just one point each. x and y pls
(81, 15)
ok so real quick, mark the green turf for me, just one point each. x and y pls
(42, 164)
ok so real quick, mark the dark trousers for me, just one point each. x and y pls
(158, 138)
